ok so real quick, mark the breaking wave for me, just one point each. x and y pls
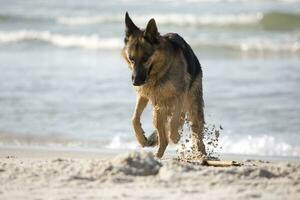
(264, 145)
(60, 40)
(287, 43)
(271, 20)
(283, 43)
(122, 143)
(173, 19)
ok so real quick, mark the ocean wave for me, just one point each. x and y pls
(60, 40)
(283, 43)
(162, 19)
(271, 20)
(120, 142)
(280, 21)
(264, 145)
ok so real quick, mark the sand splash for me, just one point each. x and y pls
(186, 149)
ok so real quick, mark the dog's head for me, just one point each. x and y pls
(140, 45)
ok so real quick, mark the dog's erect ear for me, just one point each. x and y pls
(130, 27)
(151, 34)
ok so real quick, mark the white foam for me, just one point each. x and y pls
(89, 20)
(288, 43)
(60, 40)
(170, 18)
(264, 145)
(270, 44)
(120, 142)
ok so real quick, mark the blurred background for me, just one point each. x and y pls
(63, 82)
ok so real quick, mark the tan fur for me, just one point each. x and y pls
(168, 90)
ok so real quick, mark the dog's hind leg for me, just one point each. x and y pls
(136, 120)
(196, 116)
(177, 121)
(159, 122)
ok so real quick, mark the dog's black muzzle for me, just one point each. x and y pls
(139, 76)
(138, 81)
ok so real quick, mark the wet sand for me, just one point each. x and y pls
(28, 173)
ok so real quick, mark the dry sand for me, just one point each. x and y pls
(44, 174)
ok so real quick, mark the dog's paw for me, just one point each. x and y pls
(159, 155)
(152, 140)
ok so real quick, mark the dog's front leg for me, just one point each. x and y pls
(136, 120)
(159, 122)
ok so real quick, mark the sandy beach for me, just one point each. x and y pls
(53, 174)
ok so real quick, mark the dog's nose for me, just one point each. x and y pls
(136, 82)
(138, 79)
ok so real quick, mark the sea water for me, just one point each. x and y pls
(63, 82)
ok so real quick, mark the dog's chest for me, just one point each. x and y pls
(158, 94)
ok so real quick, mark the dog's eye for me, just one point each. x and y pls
(145, 58)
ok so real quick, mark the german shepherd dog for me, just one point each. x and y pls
(166, 72)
